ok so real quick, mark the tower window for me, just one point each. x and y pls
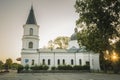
(31, 31)
(30, 44)
(72, 62)
(48, 61)
(58, 62)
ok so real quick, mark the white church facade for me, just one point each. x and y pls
(74, 55)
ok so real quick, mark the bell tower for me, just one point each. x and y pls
(30, 40)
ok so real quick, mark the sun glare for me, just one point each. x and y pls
(114, 56)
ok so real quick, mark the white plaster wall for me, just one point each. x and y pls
(28, 38)
(46, 56)
(55, 56)
(38, 57)
(84, 56)
(30, 57)
(94, 61)
(66, 56)
(33, 26)
(79, 56)
(26, 43)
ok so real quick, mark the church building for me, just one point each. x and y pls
(74, 55)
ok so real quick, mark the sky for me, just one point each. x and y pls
(55, 18)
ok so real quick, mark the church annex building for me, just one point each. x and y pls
(74, 55)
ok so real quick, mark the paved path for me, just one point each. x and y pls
(58, 76)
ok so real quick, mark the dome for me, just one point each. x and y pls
(74, 35)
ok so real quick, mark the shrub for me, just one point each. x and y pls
(20, 68)
(86, 67)
(77, 67)
(41, 67)
(53, 68)
(65, 67)
(26, 67)
(68, 67)
(35, 67)
(60, 67)
(45, 67)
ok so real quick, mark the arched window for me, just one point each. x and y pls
(63, 62)
(43, 62)
(72, 62)
(30, 44)
(31, 31)
(48, 61)
(58, 61)
(80, 62)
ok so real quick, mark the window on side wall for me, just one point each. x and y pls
(48, 61)
(58, 61)
(63, 62)
(43, 62)
(80, 62)
(72, 62)
(33, 62)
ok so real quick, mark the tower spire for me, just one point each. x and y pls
(31, 18)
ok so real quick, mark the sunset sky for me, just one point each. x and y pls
(55, 18)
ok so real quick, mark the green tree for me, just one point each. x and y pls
(101, 22)
(60, 42)
(15, 65)
(8, 63)
(1, 65)
(101, 19)
(50, 45)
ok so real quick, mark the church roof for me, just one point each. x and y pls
(31, 18)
